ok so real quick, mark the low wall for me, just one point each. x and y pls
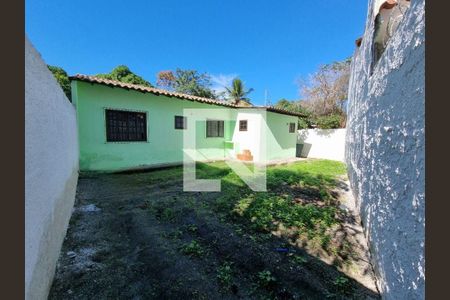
(51, 172)
(322, 143)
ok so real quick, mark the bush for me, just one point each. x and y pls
(329, 122)
(304, 123)
(62, 78)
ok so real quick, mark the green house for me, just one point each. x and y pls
(124, 126)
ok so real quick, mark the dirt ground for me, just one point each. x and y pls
(139, 236)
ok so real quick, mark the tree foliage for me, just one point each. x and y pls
(324, 97)
(333, 120)
(237, 91)
(61, 77)
(296, 107)
(330, 121)
(124, 74)
(326, 90)
(325, 94)
(189, 82)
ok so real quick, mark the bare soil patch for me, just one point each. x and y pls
(139, 236)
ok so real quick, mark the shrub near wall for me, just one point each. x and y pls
(330, 121)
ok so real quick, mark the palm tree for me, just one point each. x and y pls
(237, 91)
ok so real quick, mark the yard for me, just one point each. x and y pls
(139, 236)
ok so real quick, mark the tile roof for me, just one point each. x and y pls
(146, 89)
(276, 110)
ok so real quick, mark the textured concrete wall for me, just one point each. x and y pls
(51, 172)
(323, 143)
(385, 152)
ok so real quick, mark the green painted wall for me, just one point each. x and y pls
(164, 141)
(164, 144)
(280, 142)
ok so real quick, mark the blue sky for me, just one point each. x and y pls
(269, 44)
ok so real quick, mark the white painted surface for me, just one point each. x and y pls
(268, 136)
(385, 152)
(252, 139)
(323, 143)
(51, 172)
(376, 7)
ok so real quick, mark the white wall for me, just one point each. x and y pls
(385, 152)
(51, 172)
(252, 139)
(323, 143)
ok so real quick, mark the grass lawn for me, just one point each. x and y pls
(144, 238)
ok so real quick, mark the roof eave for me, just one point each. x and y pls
(144, 89)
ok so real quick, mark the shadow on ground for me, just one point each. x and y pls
(139, 236)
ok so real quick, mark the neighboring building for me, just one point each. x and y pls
(51, 172)
(124, 126)
(385, 147)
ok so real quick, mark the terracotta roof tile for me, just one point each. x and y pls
(276, 110)
(145, 89)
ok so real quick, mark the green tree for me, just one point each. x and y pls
(329, 122)
(296, 106)
(61, 77)
(124, 74)
(189, 82)
(237, 91)
(283, 104)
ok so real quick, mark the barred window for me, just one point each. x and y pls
(180, 122)
(291, 127)
(214, 128)
(125, 126)
(243, 125)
